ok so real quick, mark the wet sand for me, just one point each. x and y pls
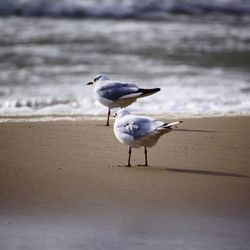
(63, 185)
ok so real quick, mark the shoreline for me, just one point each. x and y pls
(102, 117)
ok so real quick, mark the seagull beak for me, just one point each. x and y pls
(89, 83)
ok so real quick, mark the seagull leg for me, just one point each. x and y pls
(129, 156)
(107, 123)
(146, 157)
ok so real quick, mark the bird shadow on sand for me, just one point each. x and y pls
(205, 172)
(185, 171)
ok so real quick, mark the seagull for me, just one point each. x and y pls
(115, 94)
(139, 131)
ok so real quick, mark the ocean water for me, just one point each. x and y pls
(146, 9)
(200, 62)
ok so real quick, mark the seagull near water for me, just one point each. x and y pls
(114, 94)
(139, 131)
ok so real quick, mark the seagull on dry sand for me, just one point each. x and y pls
(139, 131)
(115, 94)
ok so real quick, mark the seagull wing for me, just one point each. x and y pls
(118, 90)
(140, 126)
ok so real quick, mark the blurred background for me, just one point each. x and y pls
(197, 51)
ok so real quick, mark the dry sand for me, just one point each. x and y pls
(63, 186)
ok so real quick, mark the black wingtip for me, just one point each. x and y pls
(155, 90)
(180, 121)
(149, 91)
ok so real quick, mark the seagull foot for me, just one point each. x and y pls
(142, 165)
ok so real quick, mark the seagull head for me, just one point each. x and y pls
(122, 112)
(98, 78)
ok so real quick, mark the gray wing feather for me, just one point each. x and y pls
(142, 127)
(114, 91)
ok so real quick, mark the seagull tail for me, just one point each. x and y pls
(146, 92)
(171, 125)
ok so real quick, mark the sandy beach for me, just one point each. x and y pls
(63, 185)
